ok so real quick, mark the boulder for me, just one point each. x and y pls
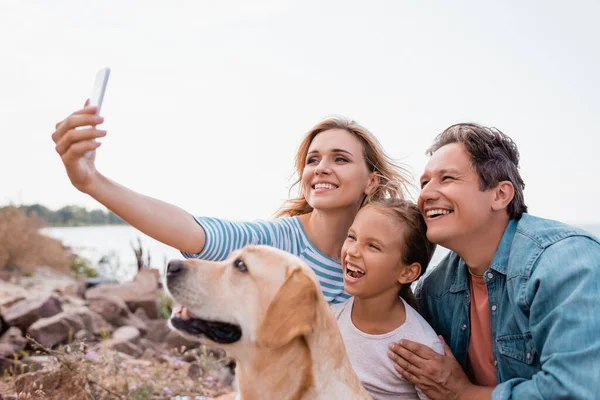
(10, 294)
(71, 290)
(93, 321)
(56, 329)
(157, 330)
(84, 336)
(46, 280)
(70, 302)
(12, 342)
(127, 333)
(114, 310)
(29, 310)
(6, 350)
(122, 346)
(141, 292)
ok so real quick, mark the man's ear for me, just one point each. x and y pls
(409, 273)
(504, 192)
(372, 184)
(292, 312)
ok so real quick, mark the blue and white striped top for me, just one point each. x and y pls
(285, 233)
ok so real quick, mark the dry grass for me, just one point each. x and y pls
(81, 373)
(23, 247)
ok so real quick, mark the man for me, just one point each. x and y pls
(517, 298)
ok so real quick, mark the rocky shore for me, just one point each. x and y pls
(63, 338)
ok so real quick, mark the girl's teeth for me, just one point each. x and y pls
(354, 272)
(354, 269)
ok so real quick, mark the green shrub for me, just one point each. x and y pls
(165, 305)
(82, 268)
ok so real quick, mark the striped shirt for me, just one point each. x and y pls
(285, 233)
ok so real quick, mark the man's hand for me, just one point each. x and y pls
(438, 376)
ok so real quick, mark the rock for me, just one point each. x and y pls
(125, 340)
(14, 337)
(114, 310)
(149, 354)
(6, 350)
(146, 344)
(12, 342)
(141, 314)
(122, 347)
(26, 312)
(56, 329)
(157, 330)
(46, 280)
(84, 335)
(93, 321)
(142, 292)
(72, 302)
(127, 333)
(10, 294)
(76, 290)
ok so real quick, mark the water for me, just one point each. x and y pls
(114, 242)
(94, 242)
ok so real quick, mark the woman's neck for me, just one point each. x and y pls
(378, 314)
(327, 231)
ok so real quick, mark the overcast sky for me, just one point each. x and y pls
(208, 100)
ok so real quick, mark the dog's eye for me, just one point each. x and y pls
(239, 264)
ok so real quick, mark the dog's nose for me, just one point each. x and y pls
(174, 267)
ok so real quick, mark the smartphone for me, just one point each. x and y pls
(98, 94)
(99, 88)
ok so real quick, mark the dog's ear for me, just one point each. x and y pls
(292, 312)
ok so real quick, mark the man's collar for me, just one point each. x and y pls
(500, 260)
(460, 282)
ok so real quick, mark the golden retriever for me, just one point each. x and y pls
(265, 308)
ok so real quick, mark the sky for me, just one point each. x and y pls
(208, 101)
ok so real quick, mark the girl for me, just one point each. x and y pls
(339, 164)
(385, 251)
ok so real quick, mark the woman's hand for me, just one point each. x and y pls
(74, 137)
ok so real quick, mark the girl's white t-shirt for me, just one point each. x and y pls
(368, 353)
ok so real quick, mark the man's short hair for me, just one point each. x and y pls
(494, 156)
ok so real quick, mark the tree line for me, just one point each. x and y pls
(71, 216)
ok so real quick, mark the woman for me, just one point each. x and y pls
(339, 164)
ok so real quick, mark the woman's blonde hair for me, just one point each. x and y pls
(393, 178)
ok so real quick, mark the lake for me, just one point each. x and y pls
(114, 242)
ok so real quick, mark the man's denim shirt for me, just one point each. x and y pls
(544, 298)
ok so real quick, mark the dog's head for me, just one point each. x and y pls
(259, 295)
